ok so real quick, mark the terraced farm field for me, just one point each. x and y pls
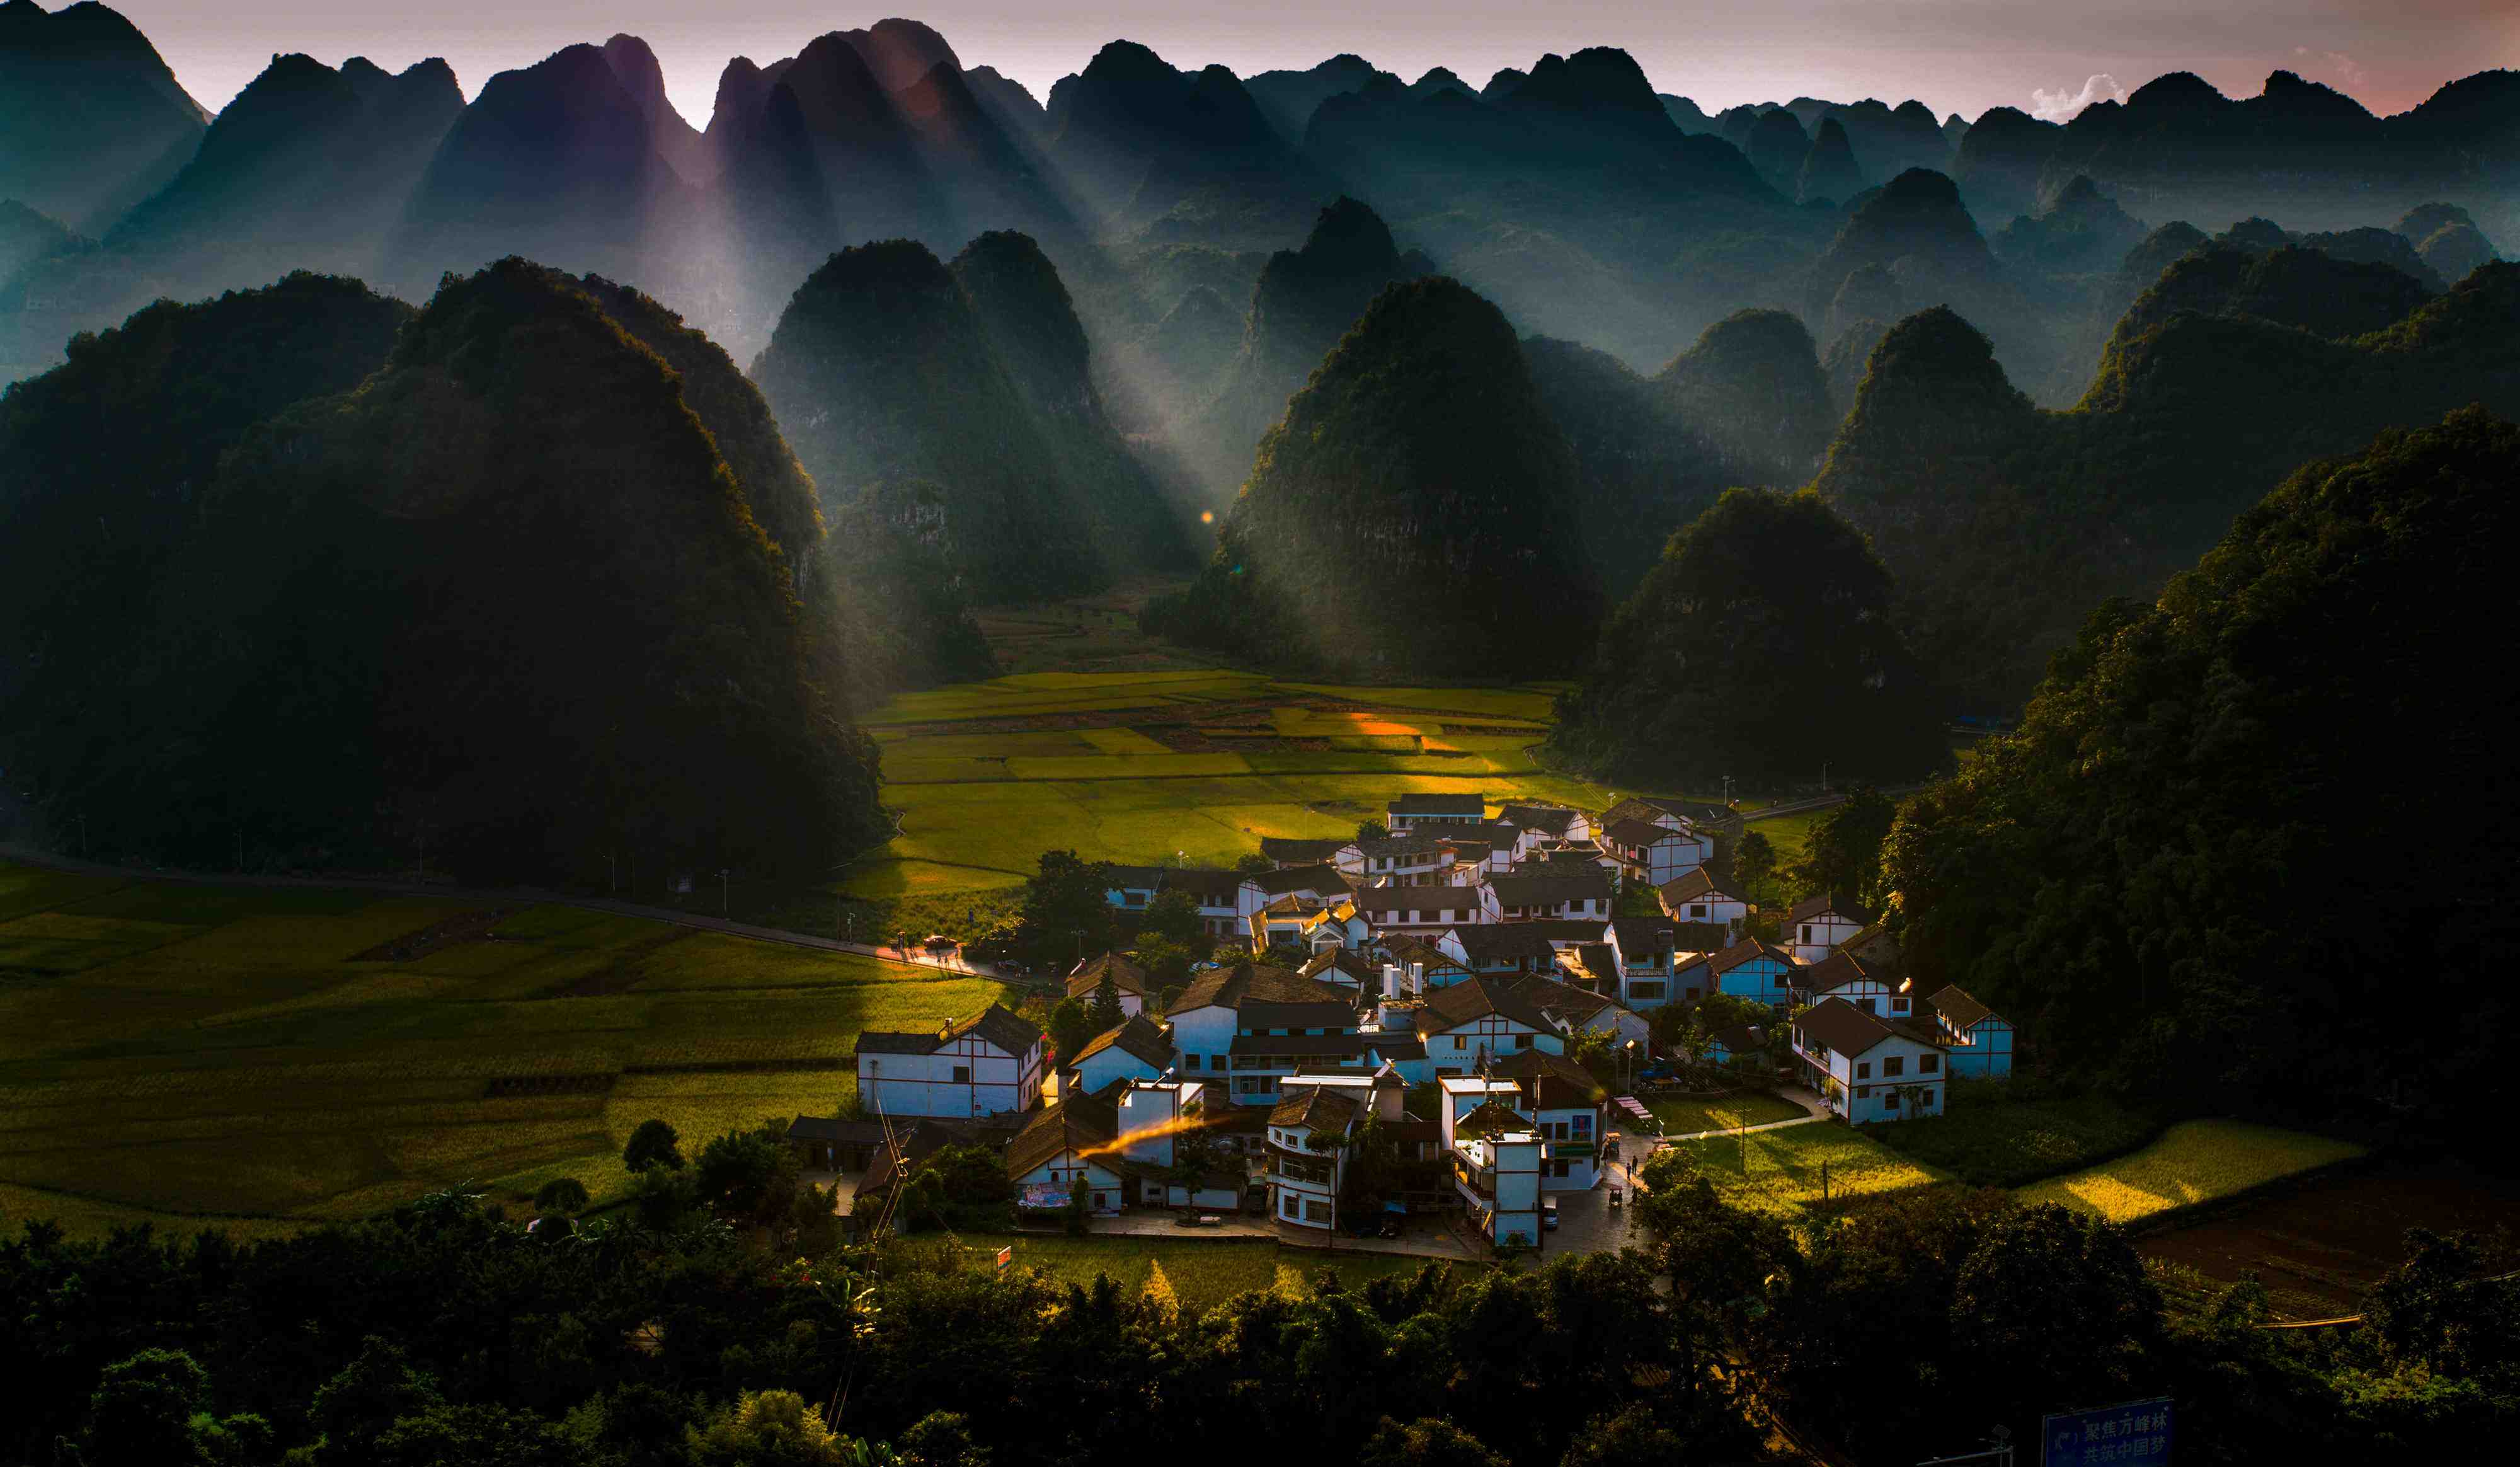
(2195, 1162)
(182, 1054)
(1199, 764)
(1781, 1171)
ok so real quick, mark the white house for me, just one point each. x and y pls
(1308, 1133)
(1410, 811)
(1697, 896)
(1761, 971)
(1866, 1067)
(1321, 884)
(1128, 979)
(1071, 1139)
(1568, 1107)
(1409, 860)
(1243, 1031)
(1151, 1117)
(1481, 1019)
(1581, 1011)
(1136, 1048)
(1877, 990)
(1554, 822)
(1501, 949)
(1496, 1157)
(1656, 854)
(1813, 926)
(1421, 910)
(1563, 897)
(1219, 895)
(981, 1066)
(1980, 1039)
(1133, 887)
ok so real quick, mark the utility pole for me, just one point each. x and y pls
(725, 892)
(1824, 1185)
(1824, 776)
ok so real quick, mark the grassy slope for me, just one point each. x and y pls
(180, 1050)
(2194, 1163)
(1783, 1172)
(1987, 1138)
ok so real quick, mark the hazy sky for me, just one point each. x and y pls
(1955, 55)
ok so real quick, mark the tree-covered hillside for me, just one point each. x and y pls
(2145, 876)
(2004, 523)
(503, 601)
(1761, 647)
(1416, 513)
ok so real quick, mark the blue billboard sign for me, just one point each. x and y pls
(2132, 1434)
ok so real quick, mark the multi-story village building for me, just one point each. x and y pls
(1813, 926)
(1411, 811)
(1980, 1039)
(977, 1067)
(1697, 896)
(1869, 1069)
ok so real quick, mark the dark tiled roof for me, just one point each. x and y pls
(1138, 1037)
(1599, 959)
(1440, 805)
(1837, 903)
(1080, 1123)
(1548, 819)
(1231, 987)
(1504, 942)
(1742, 1039)
(1575, 1005)
(1647, 806)
(1645, 934)
(1697, 886)
(1137, 878)
(888, 1042)
(1493, 835)
(1551, 890)
(1000, 1025)
(1395, 1047)
(1567, 931)
(1315, 1106)
(1289, 851)
(1405, 949)
(1956, 1005)
(916, 1141)
(1744, 952)
(1339, 959)
(1849, 1030)
(1640, 833)
(1211, 888)
(1126, 975)
(1416, 843)
(1426, 900)
(1552, 1080)
(1317, 880)
(1473, 999)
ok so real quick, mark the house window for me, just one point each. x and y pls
(1698, 911)
(1890, 1100)
(961, 1074)
(1927, 1063)
(1457, 1041)
(1863, 1070)
(1288, 1206)
(1317, 1212)
(1806, 931)
(1896, 1064)
(1559, 1166)
(1101, 1202)
(1865, 1004)
(1689, 994)
(1863, 1092)
(1189, 1062)
(1583, 1126)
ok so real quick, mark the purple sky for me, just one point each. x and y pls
(1955, 55)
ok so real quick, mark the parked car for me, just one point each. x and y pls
(1549, 1214)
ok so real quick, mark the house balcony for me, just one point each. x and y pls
(1476, 1183)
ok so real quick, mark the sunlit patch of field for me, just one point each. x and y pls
(2195, 1162)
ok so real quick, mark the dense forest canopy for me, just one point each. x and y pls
(1418, 468)
(1762, 647)
(363, 627)
(2145, 874)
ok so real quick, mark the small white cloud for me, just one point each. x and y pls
(2060, 105)
(2347, 69)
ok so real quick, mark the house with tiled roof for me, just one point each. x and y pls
(1069, 1139)
(1739, 1044)
(1569, 896)
(1653, 853)
(1343, 968)
(1869, 1068)
(1580, 1010)
(1307, 1153)
(1758, 970)
(1137, 1048)
(1669, 810)
(1130, 980)
(909, 1148)
(1814, 924)
(1423, 964)
(1408, 858)
(1647, 954)
(1980, 1039)
(1322, 883)
(1843, 975)
(1421, 911)
(1242, 1031)
(1554, 822)
(1219, 895)
(1479, 1020)
(1497, 1158)
(1501, 948)
(1290, 851)
(1569, 1108)
(1697, 896)
(981, 1066)
(1132, 888)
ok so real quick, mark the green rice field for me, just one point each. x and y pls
(181, 1054)
(1195, 765)
(2193, 1163)
(1780, 1173)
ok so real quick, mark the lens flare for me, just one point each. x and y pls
(1178, 1125)
(1207, 517)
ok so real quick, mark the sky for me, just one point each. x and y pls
(1961, 55)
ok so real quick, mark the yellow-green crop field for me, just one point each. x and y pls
(2194, 1161)
(1782, 1174)
(186, 1055)
(978, 805)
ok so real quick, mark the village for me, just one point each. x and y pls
(1428, 1039)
